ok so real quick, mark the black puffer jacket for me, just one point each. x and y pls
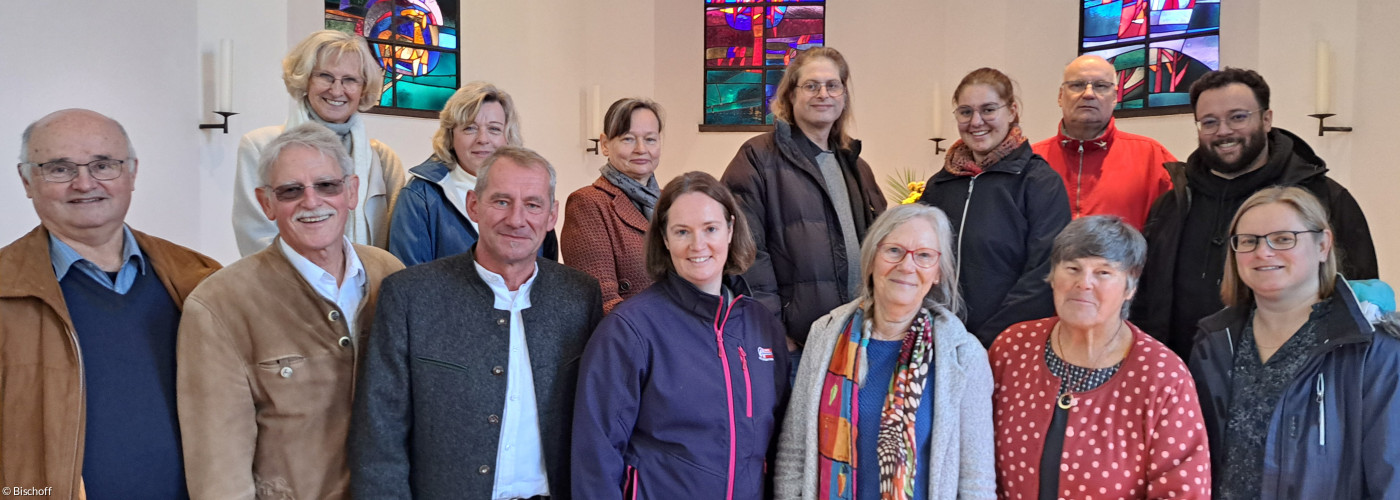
(1213, 200)
(800, 271)
(1004, 223)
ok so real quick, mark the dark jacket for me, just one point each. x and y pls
(666, 411)
(426, 422)
(1207, 197)
(425, 226)
(1005, 221)
(1331, 433)
(800, 270)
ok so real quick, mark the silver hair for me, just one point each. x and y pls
(945, 293)
(522, 156)
(1105, 236)
(27, 170)
(310, 135)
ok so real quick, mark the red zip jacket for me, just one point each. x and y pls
(1116, 174)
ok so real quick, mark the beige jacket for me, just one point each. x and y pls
(43, 402)
(266, 375)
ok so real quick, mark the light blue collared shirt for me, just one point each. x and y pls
(65, 258)
(520, 455)
(347, 294)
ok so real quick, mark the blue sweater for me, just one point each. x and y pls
(882, 355)
(127, 344)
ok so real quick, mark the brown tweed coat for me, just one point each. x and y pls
(603, 236)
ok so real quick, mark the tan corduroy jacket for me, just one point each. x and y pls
(42, 395)
(266, 377)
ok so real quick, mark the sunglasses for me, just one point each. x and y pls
(294, 192)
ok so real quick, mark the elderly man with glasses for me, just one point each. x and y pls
(1106, 171)
(1187, 230)
(88, 316)
(268, 346)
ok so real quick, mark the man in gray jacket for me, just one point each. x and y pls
(468, 383)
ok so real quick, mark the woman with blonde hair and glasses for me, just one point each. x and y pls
(430, 217)
(1006, 205)
(894, 400)
(1298, 388)
(331, 77)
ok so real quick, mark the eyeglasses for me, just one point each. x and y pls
(1277, 240)
(64, 171)
(1236, 120)
(833, 88)
(923, 257)
(349, 83)
(1101, 88)
(988, 112)
(294, 192)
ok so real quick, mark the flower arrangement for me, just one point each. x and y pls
(905, 187)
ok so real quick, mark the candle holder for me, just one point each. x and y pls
(593, 149)
(223, 126)
(1322, 127)
(937, 145)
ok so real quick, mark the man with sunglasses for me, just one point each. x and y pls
(269, 346)
(88, 315)
(1106, 171)
(1187, 230)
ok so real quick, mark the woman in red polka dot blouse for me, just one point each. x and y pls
(1107, 409)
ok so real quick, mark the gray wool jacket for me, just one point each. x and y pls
(963, 465)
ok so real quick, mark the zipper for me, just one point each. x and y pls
(82, 398)
(631, 483)
(962, 224)
(1321, 411)
(748, 388)
(722, 317)
(1079, 181)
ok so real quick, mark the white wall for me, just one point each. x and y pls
(547, 54)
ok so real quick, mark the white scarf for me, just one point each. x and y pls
(357, 225)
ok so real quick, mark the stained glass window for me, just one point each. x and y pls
(1159, 47)
(748, 43)
(416, 44)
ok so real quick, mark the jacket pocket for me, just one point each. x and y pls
(441, 364)
(284, 367)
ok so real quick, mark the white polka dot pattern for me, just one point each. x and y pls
(1139, 435)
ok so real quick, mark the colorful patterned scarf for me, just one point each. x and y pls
(838, 413)
(959, 160)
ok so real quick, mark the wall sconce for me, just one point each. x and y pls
(594, 129)
(1323, 91)
(938, 148)
(223, 82)
(938, 117)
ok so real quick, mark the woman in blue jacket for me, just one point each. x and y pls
(1298, 390)
(681, 387)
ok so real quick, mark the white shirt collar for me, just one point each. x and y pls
(506, 299)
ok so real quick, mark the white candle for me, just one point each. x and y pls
(1324, 78)
(224, 75)
(938, 115)
(595, 113)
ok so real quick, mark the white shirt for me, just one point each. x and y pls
(456, 185)
(347, 295)
(520, 454)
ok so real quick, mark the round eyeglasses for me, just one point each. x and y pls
(923, 257)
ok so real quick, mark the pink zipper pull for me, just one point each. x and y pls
(748, 388)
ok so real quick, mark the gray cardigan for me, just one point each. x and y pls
(427, 410)
(963, 464)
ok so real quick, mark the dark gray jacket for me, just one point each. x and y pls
(800, 270)
(426, 422)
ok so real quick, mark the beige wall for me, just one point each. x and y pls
(547, 54)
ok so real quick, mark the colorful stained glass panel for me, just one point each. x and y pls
(735, 97)
(415, 42)
(1158, 47)
(752, 41)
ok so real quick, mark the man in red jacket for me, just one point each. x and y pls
(1106, 171)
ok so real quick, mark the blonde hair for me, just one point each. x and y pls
(787, 90)
(462, 108)
(325, 45)
(1233, 291)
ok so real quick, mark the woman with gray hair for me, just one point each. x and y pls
(894, 399)
(1084, 394)
(331, 77)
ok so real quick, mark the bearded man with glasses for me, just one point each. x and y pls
(1187, 230)
(269, 347)
(88, 316)
(1106, 171)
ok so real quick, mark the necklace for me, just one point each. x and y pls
(1066, 399)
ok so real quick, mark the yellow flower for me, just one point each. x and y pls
(913, 197)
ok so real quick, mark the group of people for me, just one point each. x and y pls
(1083, 317)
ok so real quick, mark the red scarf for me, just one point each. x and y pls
(959, 160)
